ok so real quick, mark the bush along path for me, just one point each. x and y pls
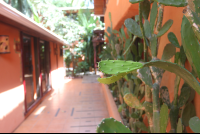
(150, 71)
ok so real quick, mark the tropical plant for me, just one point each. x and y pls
(151, 32)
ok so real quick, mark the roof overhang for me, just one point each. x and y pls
(15, 18)
(99, 7)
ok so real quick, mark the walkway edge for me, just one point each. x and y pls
(111, 106)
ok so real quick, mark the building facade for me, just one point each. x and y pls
(31, 66)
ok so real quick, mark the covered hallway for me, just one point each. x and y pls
(77, 107)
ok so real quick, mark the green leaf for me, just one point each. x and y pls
(110, 125)
(165, 28)
(163, 118)
(153, 15)
(133, 27)
(169, 52)
(195, 124)
(172, 38)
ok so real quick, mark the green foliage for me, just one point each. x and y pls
(176, 3)
(188, 112)
(145, 9)
(83, 66)
(117, 67)
(165, 28)
(145, 75)
(153, 15)
(179, 126)
(172, 38)
(133, 27)
(190, 45)
(132, 101)
(164, 94)
(163, 118)
(135, 1)
(110, 125)
(184, 96)
(193, 15)
(169, 52)
(194, 124)
(141, 126)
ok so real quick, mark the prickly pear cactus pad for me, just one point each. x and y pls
(195, 124)
(110, 125)
(193, 15)
(176, 3)
(112, 79)
(135, 1)
(132, 101)
(118, 66)
(191, 45)
(163, 118)
(133, 27)
(180, 71)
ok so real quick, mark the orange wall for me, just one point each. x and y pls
(57, 70)
(120, 12)
(11, 88)
(11, 85)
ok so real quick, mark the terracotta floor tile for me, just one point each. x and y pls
(72, 130)
(53, 126)
(88, 121)
(23, 129)
(29, 122)
(74, 108)
(58, 121)
(87, 130)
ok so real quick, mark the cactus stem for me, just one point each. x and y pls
(142, 30)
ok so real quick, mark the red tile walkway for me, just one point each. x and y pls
(75, 108)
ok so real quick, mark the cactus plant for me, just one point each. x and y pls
(169, 52)
(163, 118)
(151, 32)
(194, 124)
(176, 3)
(172, 38)
(132, 101)
(190, 45)
(179, 126)
(192, 13)
(130, 66)
(110, 125)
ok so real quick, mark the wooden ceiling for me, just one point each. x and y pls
(99, 7)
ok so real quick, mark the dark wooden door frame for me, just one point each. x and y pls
(23, 72)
